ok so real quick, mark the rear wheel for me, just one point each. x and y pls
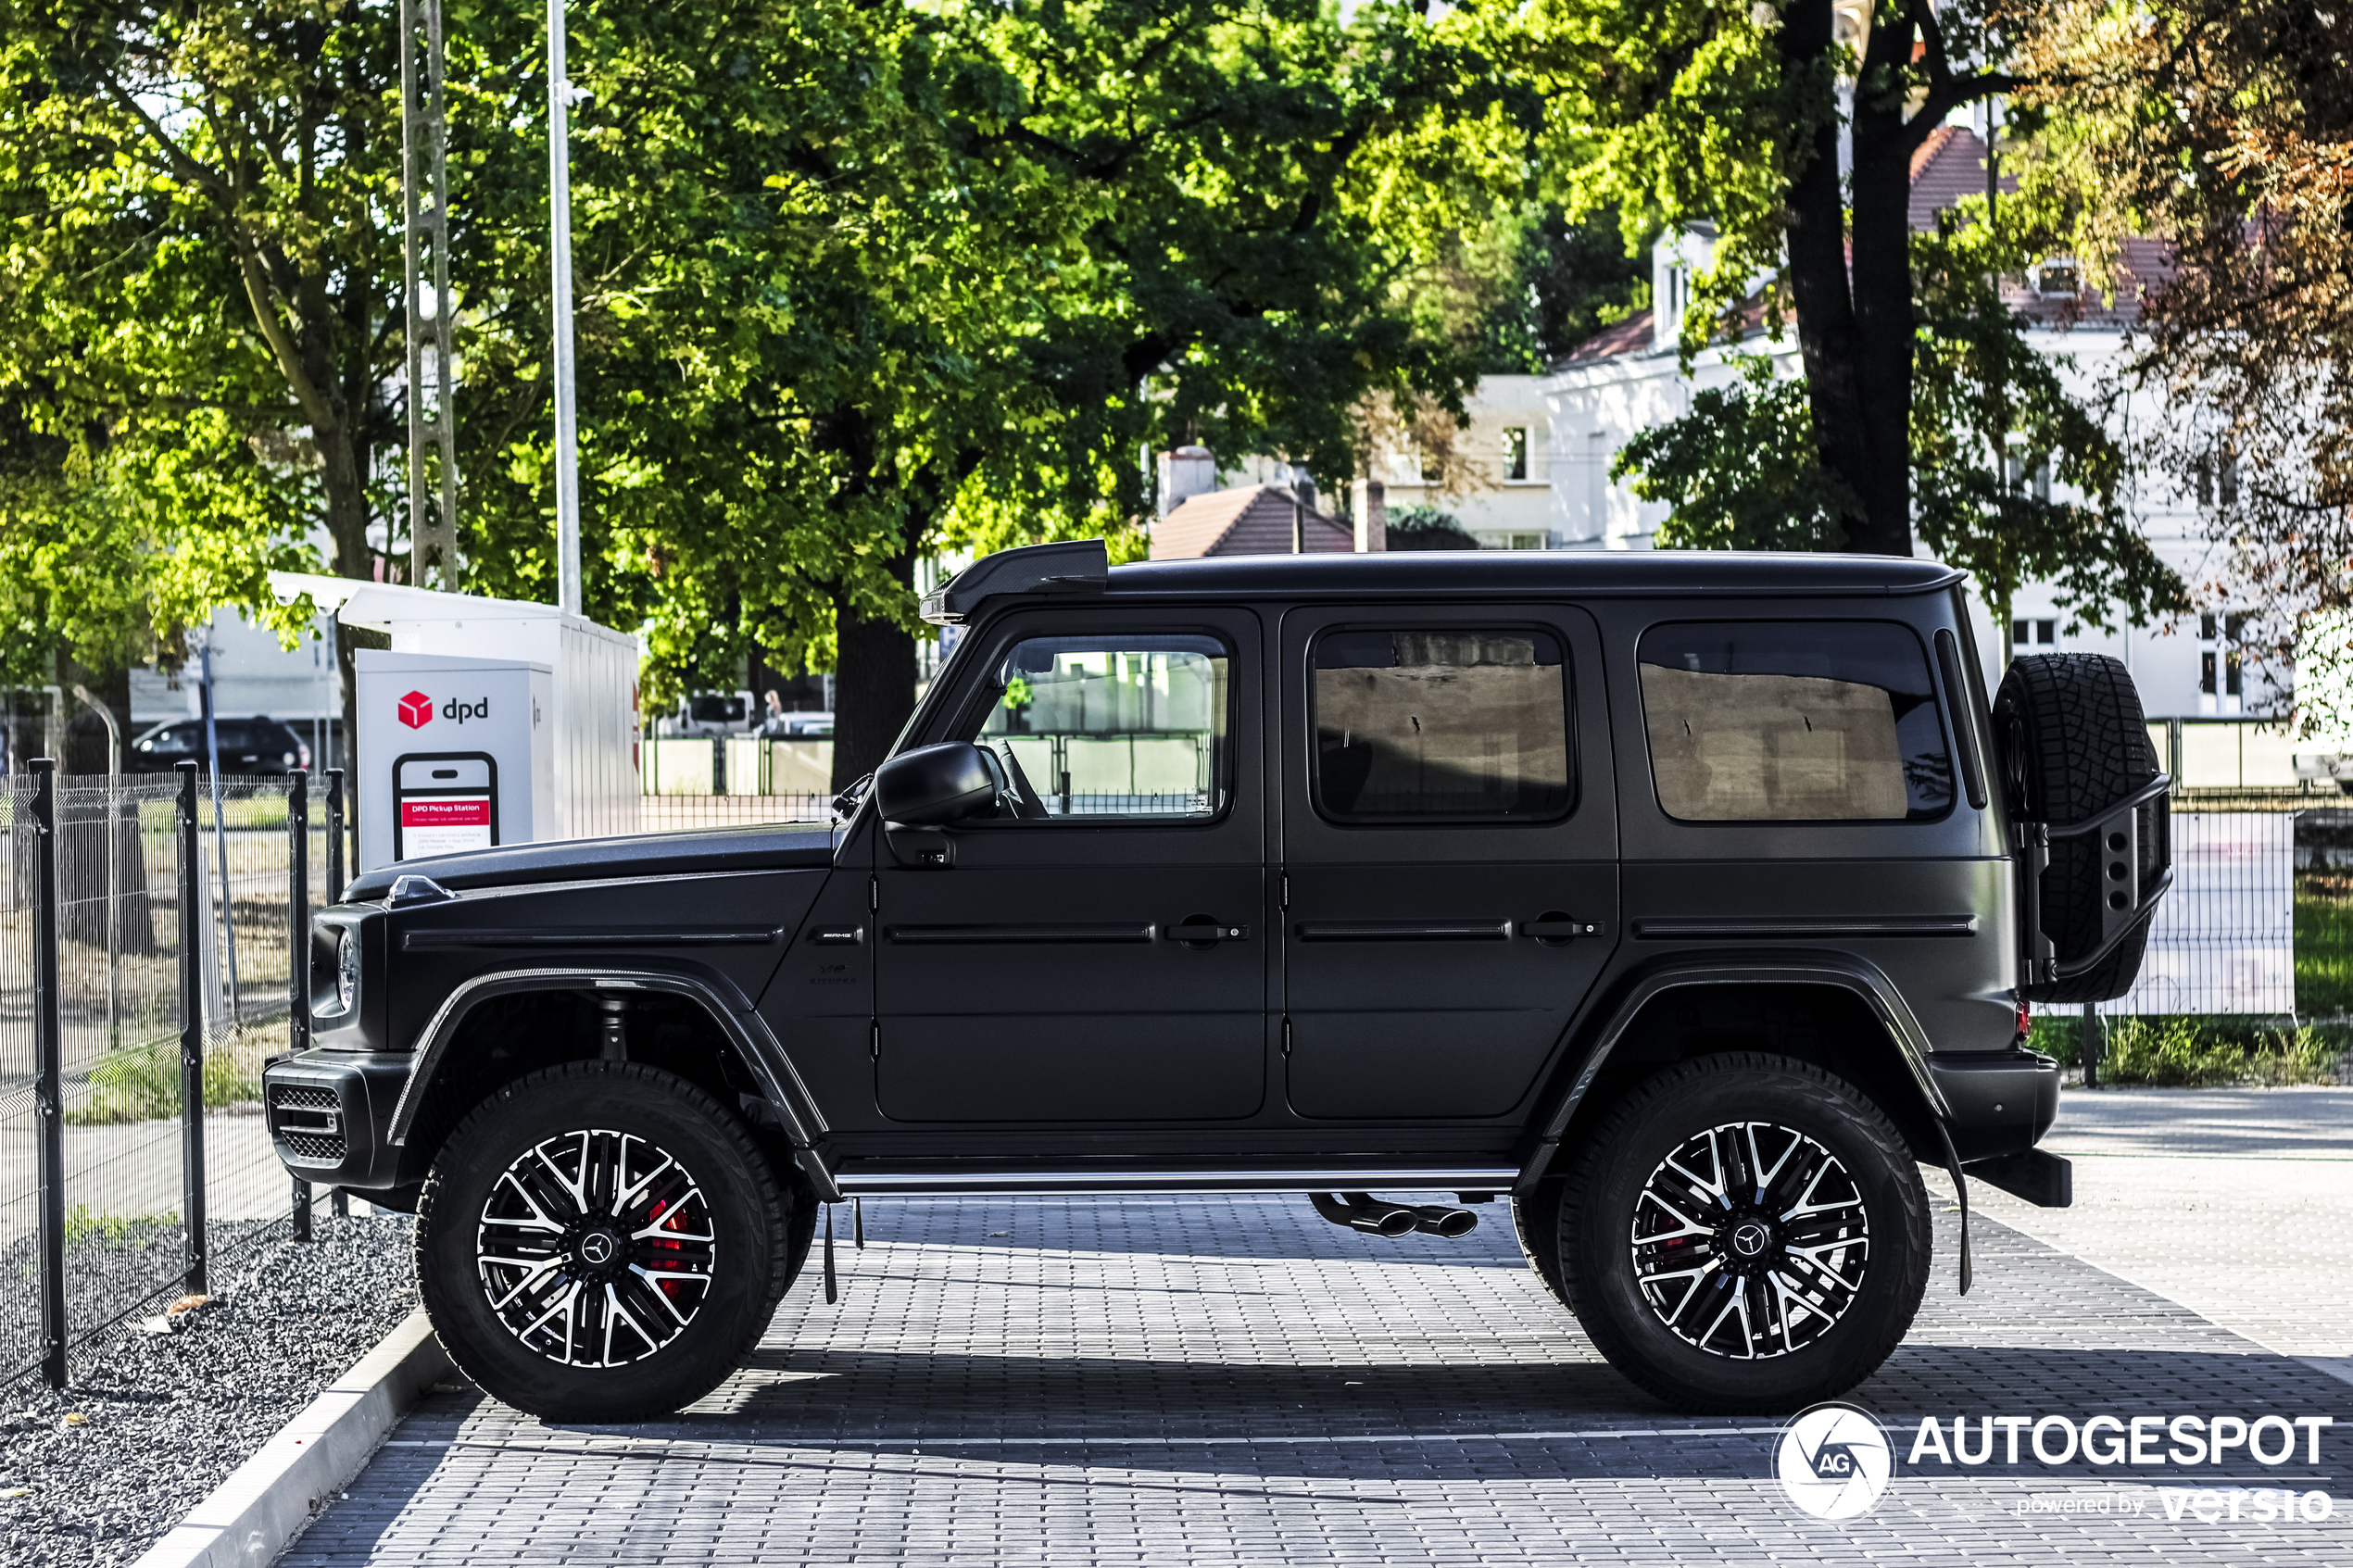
(602, 1241)
(1744, 1233)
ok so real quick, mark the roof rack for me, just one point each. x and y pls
(1081, 566)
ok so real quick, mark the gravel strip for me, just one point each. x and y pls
(166, 1418)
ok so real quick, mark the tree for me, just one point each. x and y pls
(1730, 114)
(2224, 134)
(1992, 427)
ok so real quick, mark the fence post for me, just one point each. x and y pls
(298, 913)
(334, 836)
(298, 952)
(2094, 1046)
(48, 1056)
(192, 940)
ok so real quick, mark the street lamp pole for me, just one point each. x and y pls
(560, 225)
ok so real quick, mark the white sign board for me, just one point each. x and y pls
(2224, 938)
(454, 754)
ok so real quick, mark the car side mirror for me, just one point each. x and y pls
(934, 786)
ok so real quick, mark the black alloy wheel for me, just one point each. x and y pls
(1744, 1233)
(602, 1241)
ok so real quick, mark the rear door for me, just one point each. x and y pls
(1449, 851)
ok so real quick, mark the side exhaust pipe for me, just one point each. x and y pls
(1361, 1212)
(1449, 1222)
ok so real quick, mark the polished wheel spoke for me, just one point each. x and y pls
(1775, 1253)
(596, 1248)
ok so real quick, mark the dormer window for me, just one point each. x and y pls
(2058, 277)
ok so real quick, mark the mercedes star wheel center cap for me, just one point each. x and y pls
(1748, 1240)
(597, 1247)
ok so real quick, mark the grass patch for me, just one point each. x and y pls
(141, 1083)
(2191, 1051)
(2324, 944)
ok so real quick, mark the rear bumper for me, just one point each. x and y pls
(2002, 1102)
(328, 1111)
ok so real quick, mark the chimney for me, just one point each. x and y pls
(1372, 515)
(1186, 472)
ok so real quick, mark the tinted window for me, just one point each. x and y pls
(1828, 720)
(1441, 725)
(176, 740)
(1132, 726)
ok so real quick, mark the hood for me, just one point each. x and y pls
(783, 847)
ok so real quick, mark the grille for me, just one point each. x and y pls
(315, 1149)
(311, 1146)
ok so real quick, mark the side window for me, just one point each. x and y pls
(1096, 727)
(1827, 720)
(1440, 726)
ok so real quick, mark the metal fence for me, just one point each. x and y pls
(146, 969)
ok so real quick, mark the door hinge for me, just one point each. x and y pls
(873, 893)
(874, 1039)
(1286, 1036)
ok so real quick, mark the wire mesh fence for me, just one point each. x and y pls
(168, 911)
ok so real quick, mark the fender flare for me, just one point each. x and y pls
(781, 1083)
(1843, 970)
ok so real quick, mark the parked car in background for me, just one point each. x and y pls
(703, 715)
(259, 745)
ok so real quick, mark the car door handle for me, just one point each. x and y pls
(1205, 931)
(1558, 928)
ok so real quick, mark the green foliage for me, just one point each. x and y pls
(2199, 1051)
(1741, 470)
(141, 1083)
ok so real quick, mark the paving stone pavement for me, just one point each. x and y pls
(2232, 1202)
(1150, 1380)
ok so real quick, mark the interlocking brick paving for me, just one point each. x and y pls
(1123, 1381)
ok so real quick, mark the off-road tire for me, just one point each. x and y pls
(1655, 1119)
(752, 1221)
(1536, 1221)
(2073, 744)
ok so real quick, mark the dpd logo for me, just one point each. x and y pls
(416, 711)
(1833, 1461)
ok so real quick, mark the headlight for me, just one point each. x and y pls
(346, 969)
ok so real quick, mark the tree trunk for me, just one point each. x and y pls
(873, 685)
(1828, 342)
(1882, 190)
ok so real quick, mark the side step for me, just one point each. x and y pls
(858, 1177)
(2047, 1181)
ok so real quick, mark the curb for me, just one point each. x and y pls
(250, 1518)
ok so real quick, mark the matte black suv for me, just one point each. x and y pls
(1689, 901)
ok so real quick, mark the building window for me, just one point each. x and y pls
(2058, 277)
(2222, 664)
(2216, 478)
(2025, 632)
(1516, 452)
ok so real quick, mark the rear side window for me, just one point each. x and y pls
(1440, 726)
(1782, 720)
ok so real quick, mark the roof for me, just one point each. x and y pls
(1946, 169)
(1253, 520)
(1544, 572)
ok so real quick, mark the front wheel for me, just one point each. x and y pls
(602, 1241)
(1744, 1233)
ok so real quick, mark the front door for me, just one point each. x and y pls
(1098, 951)
(1449, 850)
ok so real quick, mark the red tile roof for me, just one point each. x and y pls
(1253, 520)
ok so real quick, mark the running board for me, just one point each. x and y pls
(1464, 1178)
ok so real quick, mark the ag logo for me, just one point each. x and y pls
(416, 711)
(1833, 1461)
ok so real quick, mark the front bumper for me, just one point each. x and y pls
(328, 1111)
(2002, 1102)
